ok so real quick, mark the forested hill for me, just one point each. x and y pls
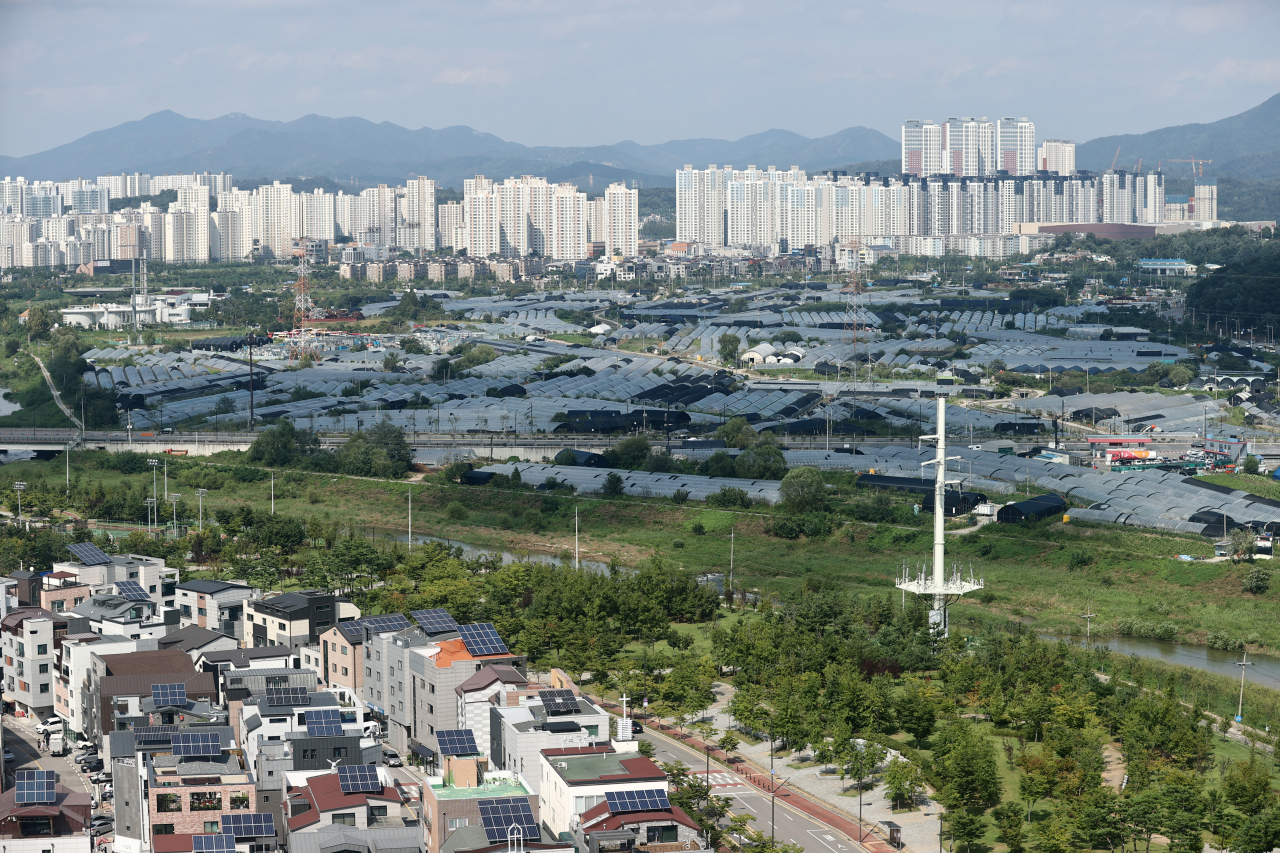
(1246, 289)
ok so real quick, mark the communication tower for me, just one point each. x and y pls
(945, 586)
(302, 341)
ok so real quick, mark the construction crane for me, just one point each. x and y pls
(1137, 169)
(1115, 159)
(1194, 165)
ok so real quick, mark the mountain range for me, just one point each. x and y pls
(346, 148)
(364, 152)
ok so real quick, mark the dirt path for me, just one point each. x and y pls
(57, 398)
(1114, 772)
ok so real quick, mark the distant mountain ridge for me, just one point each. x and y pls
(1245, 145)
(339, 148)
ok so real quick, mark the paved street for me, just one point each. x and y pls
(20, 737)
(790, 824)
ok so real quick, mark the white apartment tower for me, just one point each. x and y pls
(317, 215)
(418, 231)
(1057, 155)
(968, 147)
(1206, 200)
(622, 207)
(1016, 146)
(921, 148)
(701, 204)
(449, 226)
(192, 200)
(1116, 202)
(278, 224)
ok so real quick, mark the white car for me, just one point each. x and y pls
(53, 724)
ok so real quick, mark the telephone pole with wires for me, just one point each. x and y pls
(1240, 704)
(1087, 616)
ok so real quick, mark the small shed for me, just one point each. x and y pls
(1031, 509)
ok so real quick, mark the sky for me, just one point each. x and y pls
(555, 72)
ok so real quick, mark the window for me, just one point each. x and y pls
(367, 672)
(58, 605)
(22, 650)
(308, 753)
(168, 803)
(335, 667)
(660, 834)
(581, 804)
(32, 826)
(206, 801)
(431, 688)
(133, 576)
(322, 608)
(186, 611)
(455, 822)
(162, 829)
(44, 688)
(152, 588)
(377, 811)
(211, 827)
(345, 819)
(239, 801)
(339, 752)
(282, 628)
(344, 670)
(344, 650)
(44, 669)
(594, 731)
(431, 709)
(201, 611)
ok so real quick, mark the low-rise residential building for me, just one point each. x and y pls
(58, 819)
(239, 684)
(73, 690)
(278, 717)
(30, 635)
(455, 801)
(295, 619)
(104, 572)
(224, 662)
(122, 687)
(111, 613)
(339, 837)
(643, 821)
(216, 605)
(196, 641)
(314, 801)
(575, 780)
(551, 719)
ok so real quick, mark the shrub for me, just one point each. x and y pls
(680, 496)
(613, 485)
(784, 528)
(1251, 465)
(802, 490)
(1079, 559)
(1258, 581)
(698, 529)
(816, 525)
(986, 596)
(456, 511)
(679, 543)
(729, 498)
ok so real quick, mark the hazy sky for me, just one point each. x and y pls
(554, 72)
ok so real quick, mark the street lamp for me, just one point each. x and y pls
(19, 488)
(153, 463)
(200, 493)
(173, 499)
(151, 509)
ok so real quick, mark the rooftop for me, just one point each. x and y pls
(495, 784)
(212, 587)
(577, 766)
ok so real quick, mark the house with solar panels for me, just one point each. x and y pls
(38, 813)
(577, 779)
(340, 653)
(555, 718)
(178, 786)
(130, 613)
(136, 575)
(469, 808)
(123, 694)
(628, 820)
(295, 619)
(297, 728)
(355, 797)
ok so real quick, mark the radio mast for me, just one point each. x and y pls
(302, 342)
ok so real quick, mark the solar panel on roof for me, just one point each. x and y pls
(131, 590)
(287, 696)
(169, 694)
(507, 817)
(324, 722)
(154, 734)
(482, 639)
(386, 622)
(436, 621)
(248, 825)
(353, 629)
(213, 843)
(559, 701)
(653, 799)
(358, 779)
(457, 742)
(34, 786)
(89, 554)
(197, 743)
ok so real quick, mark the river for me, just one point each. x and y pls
(8, 407)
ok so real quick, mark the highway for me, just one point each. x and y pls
(790, 824)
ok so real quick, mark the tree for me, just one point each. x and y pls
(803, 490)
(412, 346)
(728, 348)
(860, 762)
(390, 361)
(966, 827)
(965, 762)
(728, 743)
(737, 433)
(39, 321)
(917, 712)
(761, 462)
(1243, 543)
(755, 841)
(613, 486)
(1251, 464)
(1258, 581)
(1008, 818)
(902, 781)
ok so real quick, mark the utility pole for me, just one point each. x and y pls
(1087, 616)
(200, 493)
(731, 568)
(577, 562)
(1240, 704)
(273, 492)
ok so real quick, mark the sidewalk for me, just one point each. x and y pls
(57, 398)
(759, 778)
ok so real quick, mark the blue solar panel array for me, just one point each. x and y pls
(34, 786)
(437, 621)
(165, 695)
(154, 734)
(132, 590)
(287, 696)
(457, 742)
(213, 843)
(559, 701)
(506, 817)
(482, 639)
(324, 722)
(248, 825)
(359, 779)
(197, 743)
(652, 800)
(89, 554)
(387, 622)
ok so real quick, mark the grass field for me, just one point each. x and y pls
(21, 375)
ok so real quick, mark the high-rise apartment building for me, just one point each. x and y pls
(1057, 155)
(921, 148)
(622, 206)
(968, 147)
(317, 215)
(567, 236)
(1116, 198)
(192, 200)
(1206, 200)
(1016, 146)
(701, 204)
(418, 222)
(277, 220)
(449, 225)
(1148, 198)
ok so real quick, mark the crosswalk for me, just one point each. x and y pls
(722, 780)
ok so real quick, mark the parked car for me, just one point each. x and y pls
(636, 728)
(52, 724)
(99, 820)
(102, 829)
(8, 755)
(86, 757)
(100, 778)
(94, 766)
(391, 758)
(84, 745)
